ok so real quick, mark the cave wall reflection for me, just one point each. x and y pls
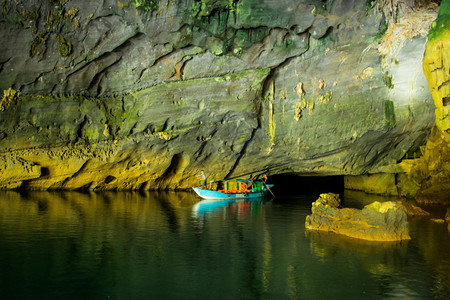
(136, 244)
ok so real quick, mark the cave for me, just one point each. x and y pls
(328, 88)
(293, 184)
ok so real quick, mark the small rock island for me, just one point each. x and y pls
(384, 222)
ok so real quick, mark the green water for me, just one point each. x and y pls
(169, 246)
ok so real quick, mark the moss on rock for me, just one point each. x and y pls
(146, 5)
(64, 47)
(9, 96)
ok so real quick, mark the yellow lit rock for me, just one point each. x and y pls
(383, 184)
(164, 135)
(435, 65)
(106, 131)
(432, 170)
(9, 96)
(13, 171)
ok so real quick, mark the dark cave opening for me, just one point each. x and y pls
(286, 184)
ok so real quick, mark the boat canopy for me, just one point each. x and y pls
(235, 180)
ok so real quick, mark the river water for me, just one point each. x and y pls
(131, 245)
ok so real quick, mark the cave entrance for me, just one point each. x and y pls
(295, 184)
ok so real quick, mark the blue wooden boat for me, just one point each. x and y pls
(237, 189)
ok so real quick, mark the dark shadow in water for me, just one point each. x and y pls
(286, 184)
(169, 210)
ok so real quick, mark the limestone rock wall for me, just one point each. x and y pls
(143, 94)
(431, 173)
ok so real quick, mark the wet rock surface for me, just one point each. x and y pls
(387, 221)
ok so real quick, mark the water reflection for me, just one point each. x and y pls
(172, 245)
(241, 207)
(380, 258)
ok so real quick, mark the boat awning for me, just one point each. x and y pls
(234, 180)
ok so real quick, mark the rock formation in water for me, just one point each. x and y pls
(135, 94)
(383, 222)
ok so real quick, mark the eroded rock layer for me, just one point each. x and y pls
(144, 94)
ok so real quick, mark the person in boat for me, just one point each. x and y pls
(264, 178)
(202, 175)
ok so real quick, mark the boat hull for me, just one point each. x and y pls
(214, 195)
